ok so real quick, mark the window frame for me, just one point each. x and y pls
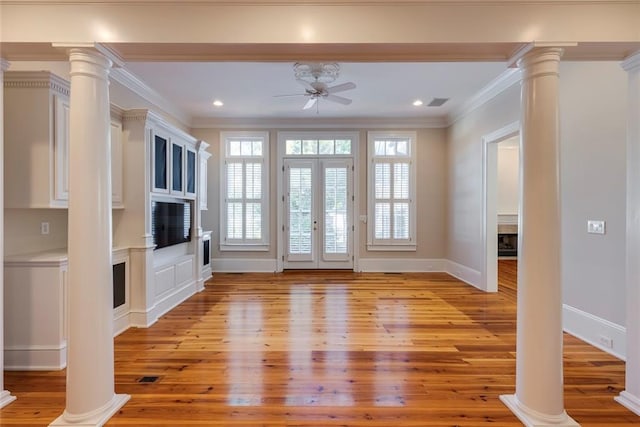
(244, 244)
(391, 244)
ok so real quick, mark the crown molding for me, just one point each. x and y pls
(632, 63)
(36, 79)
(316, 2)
(504, 81)
(321, 123)
(155, 119)
(137, 86)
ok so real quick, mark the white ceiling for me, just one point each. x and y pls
(248, 88)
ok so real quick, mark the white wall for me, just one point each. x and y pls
(508, 175)
(592, 171)
(22, 230)
(593, 182)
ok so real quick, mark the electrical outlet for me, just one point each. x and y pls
(44, 228)
(605, 341)
(595, 227)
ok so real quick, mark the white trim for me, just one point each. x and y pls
(504, 81)
(35, 357)
(629, 401)
(96, 418)
(244, 265)
(121, 323)
(508, 219)
(532, 418)
(6, 398)
(169, 300)
(590, 328)
(321, 123)
(632, 62)
(489, 226)
(133, 83)
(401, 265)
(464, 273)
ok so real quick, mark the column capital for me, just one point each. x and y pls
(538, 62)
(513, 61)
(632, 62)
(96, 48)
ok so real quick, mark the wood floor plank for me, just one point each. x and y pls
(331, 348)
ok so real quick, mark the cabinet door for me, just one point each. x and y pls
(160, 164)
(116, 165)
(202, 184)
(177, 171)
(61, 151)
(190, 172)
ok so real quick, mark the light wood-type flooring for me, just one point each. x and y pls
(331, 348)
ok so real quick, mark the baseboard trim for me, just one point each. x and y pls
(244, 265)
(6, 398)
(121, 324)
(595, 330)
(172, 300)
(629, 401)
(35, 358)
(464, 273)
(400, 265)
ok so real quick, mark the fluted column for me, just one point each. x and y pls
(90, 397)
(5, 396)
(630, 397)
(539, 382)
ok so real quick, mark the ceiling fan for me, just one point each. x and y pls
(315, 79)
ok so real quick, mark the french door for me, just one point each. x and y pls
(318, 220)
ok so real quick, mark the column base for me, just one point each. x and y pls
(93, 419)
(530, 418)
(6, 398)
(629, 401)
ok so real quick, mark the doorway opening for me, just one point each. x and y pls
(501, 183)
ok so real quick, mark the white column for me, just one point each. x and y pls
(91, 400)
(539, 383)
(5, 396)
(630, 397)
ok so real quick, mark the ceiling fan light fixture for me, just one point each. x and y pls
(218, 103)
(316, 71)
(417, 103)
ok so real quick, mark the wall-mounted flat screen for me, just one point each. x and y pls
(170, 223)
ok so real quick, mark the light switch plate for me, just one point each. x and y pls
(595, 226)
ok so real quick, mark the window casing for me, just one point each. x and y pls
(244, 187)
(391, 190)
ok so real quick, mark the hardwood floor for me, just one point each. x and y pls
(330, 349)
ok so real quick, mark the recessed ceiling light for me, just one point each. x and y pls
(218, 103)
(417, 103)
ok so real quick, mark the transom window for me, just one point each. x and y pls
(391, 183)
(315, 147)
(244, 187)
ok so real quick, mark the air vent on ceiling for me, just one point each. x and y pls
(437, 102)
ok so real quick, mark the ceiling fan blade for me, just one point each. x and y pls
(306, 85)
(342, 87)
(310, 103)
(338, 99)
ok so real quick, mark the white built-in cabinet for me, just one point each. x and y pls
(202, 171)
(174, 165)
(36, 141)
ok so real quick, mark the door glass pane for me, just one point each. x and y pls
(176, 179)
(300, 205)
(191, 171)
(160, 163)
(335, 211)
